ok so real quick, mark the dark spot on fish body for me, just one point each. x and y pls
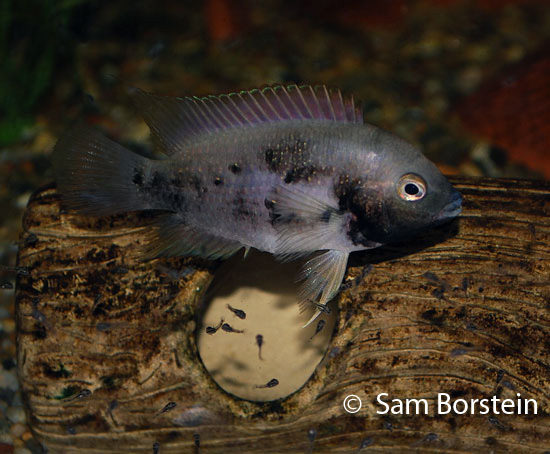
(235, 168)
(326, 215)
(273, 159)
(218, 181)
(296, 174)
(171, 190)
(270, 205)
(156, 448)
(286, 155)
(345, 188)
(138, 177)
(368, 216)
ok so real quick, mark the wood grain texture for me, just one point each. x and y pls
(108, 362)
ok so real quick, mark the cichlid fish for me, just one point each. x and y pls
(291, 170)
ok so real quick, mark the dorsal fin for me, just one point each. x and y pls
(178, 122)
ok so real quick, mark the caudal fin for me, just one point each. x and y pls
(95, 175)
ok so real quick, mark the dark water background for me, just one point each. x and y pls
(467, 81)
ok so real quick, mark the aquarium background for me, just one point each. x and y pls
(467, 81)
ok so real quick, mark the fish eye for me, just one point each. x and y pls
(411, 187)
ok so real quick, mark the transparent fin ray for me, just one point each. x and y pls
(176, 123)
(94, 174)
(304, 224)
(323, 275)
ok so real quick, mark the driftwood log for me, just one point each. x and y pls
(108, 361)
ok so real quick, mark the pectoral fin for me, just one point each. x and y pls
(304, 223)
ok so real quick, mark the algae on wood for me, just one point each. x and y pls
(108, 362)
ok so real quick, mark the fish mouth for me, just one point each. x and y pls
(450, 210)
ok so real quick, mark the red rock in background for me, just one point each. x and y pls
(381, 14)
(513, 112)
(224, 19)
(488, 4)
(390, 14)
(6, 449)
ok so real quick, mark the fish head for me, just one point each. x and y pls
(404, 196)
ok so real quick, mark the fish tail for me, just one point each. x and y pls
(96, 176)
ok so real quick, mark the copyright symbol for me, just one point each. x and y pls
(352, 403)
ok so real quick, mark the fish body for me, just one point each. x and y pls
(289, 170)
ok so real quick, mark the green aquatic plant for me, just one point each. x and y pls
(33, 40)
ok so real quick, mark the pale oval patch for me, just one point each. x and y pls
(267, 292)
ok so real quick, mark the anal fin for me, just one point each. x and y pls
(171, 237)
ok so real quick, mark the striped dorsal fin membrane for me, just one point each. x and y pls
(177, 123)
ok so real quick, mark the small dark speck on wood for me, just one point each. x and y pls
(81, 395)
(169, 406)
(365, 443)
